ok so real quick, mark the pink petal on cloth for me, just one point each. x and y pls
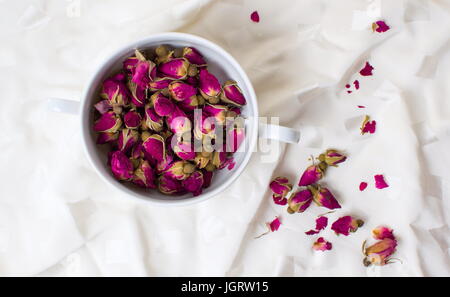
(279, 200)
(367, 70)
(312, 232)
(356, 83)
(380, 183)
(321, 223)
(322, 245)
(380, 26)
(275, 224)
(362, 186)
(361, 106)
(255, 16)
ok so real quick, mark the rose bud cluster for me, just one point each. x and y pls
(168, 121)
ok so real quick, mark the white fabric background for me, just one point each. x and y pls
(58, 218)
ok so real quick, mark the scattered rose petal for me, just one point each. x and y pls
(382, 232)
(367, 70)
(347, 86)
(271, 226)
(356, 83)
(361, 106)
(368, 126)
(380, 183)
(255, 16)
(380, 27)
(322, 245)
(321, 223)
(345, 225)
(362, 186)
(280, 200)
(312, 232)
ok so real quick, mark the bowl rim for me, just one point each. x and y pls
(166, 37)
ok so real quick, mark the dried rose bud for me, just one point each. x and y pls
(169, 186)
(193, 81)
(180, 91)
(312, 174)
(280, 186)
(137, 152)
(184, 151)
(138, 94)
(232, 94)
(103, 106)
(210, 167)
(380, 27)
(152, 120)
(127, 139)
(189, 104)
(179, 170)
(203, 124)
(121, 166)
(159, 84)
(144, 175)
(143, 73)
(332, 157)
(323, 197)
(108, 122)
(106, 137)
(193, 56)
(201, 160)
(218, 159)
(162, 166)
(219, 112)
(162, 105)
(154, 145)
(346, 224)
(194, 183)
(115, 91)
(382, 232)
(322, 245)
(132, 119)
(130, 64)
(192, 72)
(175, 68)
(209, 85)
(380, 252)
(321, 223)
(368, 126)
(178, 122)
(299, 201)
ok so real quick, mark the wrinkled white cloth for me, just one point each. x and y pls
(57, 218)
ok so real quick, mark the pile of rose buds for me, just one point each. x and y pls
(168, 121)
(310, 190)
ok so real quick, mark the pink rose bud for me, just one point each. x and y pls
(232, 94)
(103, 106)
(322, 245)
(159, 84)
(181, 91)
(203, 124)
(194, 183)
(132, 119)
(144, 175)
(380, 252)
(130, 64)
(382, 232)
(163, 106)
(137, 152)
(332, 157)
(218, 159)
(346, 224)
(106, 137)
(299, 201)
(189, 104)
(219, 112)
(193, 56)
(208, 84)
(312, 174)
(280, 186)
(178, 122)
(121, 166)
(115, 91)
(323, 197)
(143, 73)
(154, 145)
(127, 139)
(163, 165)
(179, 170)
(175, 68)
(184, 151)
(152, 120)
(169, 186)
(108, 122)
(138, 94)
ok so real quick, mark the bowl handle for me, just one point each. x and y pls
(63, 105)
(307, 135)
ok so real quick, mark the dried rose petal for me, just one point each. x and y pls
(208, 84)
(280, 186)
(312, 232)
(169, 186)
(380, 252)
(323, 197)
(312, 174)
(382, 232)
(362, 186)
(194, 183)
(356, 83)
(322, 245)
(380, 183)
(368, 126)
(321, 223)
(106, 137)
(121, 166)
(180, 91)
(127, 139)
(332, 157)
(132, 119)
(280, 200)
(154, 145)
(274, 225)
(162, 105)
(380, 27)
(367, 70)
(138, 94)
(361, 106)
(255, 16)
(345, 225)
(299, 201)
(175, 68)
(108, 122)
(103, 106)
(232, 94)
(144, 175)
(207, 178)
(193, 56)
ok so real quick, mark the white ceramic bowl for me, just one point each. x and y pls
(221, 64)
